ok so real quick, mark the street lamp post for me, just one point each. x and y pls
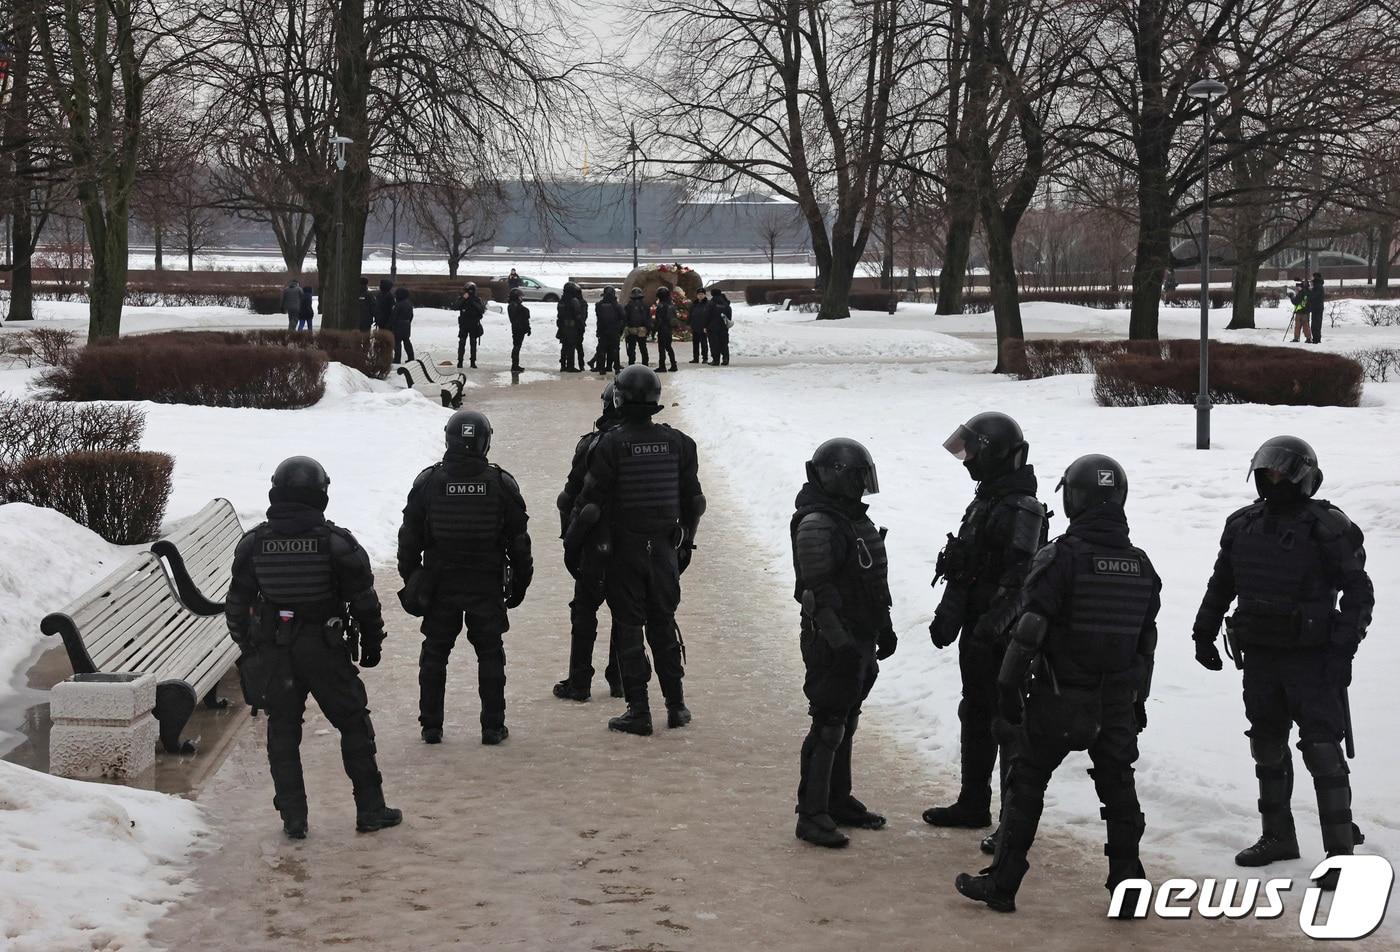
(1207, 90)
(632, 154)
(339, 282)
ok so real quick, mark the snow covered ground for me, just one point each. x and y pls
(84, 866)
(900, 384)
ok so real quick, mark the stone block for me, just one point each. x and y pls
(102, 726)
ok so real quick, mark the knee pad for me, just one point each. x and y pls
(433, 656)
(1027, 780)
(1324, 759)
(1268, 751)
(828, 733)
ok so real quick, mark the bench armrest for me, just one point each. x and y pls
(185, 587)
(58, 623)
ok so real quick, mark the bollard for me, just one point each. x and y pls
(102, 726)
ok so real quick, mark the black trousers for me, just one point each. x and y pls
(515, 343)
(1055, 725)
(632, 344)
(719, 345)
(609, 354)
(485, 620)
(589, 594)
(1316, 326)
(979, 662)
(835, 686)
(664, 350)
(318, 664)
(462, 347)
(643, 590)
(401, 345)
(699, 346)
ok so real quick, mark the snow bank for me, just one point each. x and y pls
(1195, 777)
(85, 865)
(48, 560)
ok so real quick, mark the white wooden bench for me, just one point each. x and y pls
(142, 618)
(424, 375)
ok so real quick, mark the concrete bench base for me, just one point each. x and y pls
(102, 726)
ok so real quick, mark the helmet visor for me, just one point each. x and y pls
(964, 443)
(1294, 467)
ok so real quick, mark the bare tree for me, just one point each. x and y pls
(458, 218)
(776, 226)
(256, 190)
(804, 99)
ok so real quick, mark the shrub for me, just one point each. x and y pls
(1050, 358)
(1381, 315)
(1240, 373)
(1377, 363)
(30, 428)
(755, 294)
(51, 345)
(371, 354)
(119, 495)
(165, 369)
(872, 300)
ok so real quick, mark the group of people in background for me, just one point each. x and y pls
(1307, 309)
(637, 322)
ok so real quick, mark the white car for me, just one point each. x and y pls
(532, 290)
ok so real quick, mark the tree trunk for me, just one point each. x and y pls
(1006, 304)
(1385, 239)
(836, 293)
(189, 255)
(454, 261)
(17, 131)
(1244, 283)
(107, 236)
(1150, 265)
(160, 247)
(956, 251)
(340, 280)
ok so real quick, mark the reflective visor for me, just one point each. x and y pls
(964, 443)
(1294, 467)
(872, 481)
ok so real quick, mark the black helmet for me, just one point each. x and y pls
(300, 479)
(608, 405)
(989, 445)
(663, 293)
(1092, 481)
(1292, 457)
(636, 293)
(609, 294)
(471, 287)
(571, 289)
(637, 386)
(469, 430)
(843, 468)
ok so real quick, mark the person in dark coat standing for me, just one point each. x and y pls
(665, 321)
(366, 300)
(573, 325)
(384, 307)
(1284, 561)
(403, 325)
(1077, 674)
(611, 320)
(470, 310)
(1315, 308)
(308, 309)
(464, 556)
(721, 317)
(842, 574)
(291, 303)
(519, 316)
(298, 583)
(512, 280)
(637, 317)
(700, 316)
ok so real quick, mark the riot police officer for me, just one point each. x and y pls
(587, 563)
(842, 584)
(1079, 666)
(1283, 560)
(643, 481)
(302, 593)
(985, 564)
(464, 555)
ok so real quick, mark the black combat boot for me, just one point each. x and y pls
(432, 735)
(1333, 787)
(846, 810)
(566, 690)
(984, 888)
(295, 827)
(855, 814)
(377, 818)
(972, 811)
(815, 823)
(491, 736)
(635, 720)
(1279, 840)
(677, 715)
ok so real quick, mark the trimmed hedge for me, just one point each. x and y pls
(165, 369)
(119, 495)
(1239, 373)
(30, 428)
(371, 354)
(755, 294)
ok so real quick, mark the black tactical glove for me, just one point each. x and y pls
(1010, 704)
(1140, 713)
(886, 644)
(371, 653)
(683, 557)
(942, 630)
(517, 597)
(1336, 669)
(1208, 656)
